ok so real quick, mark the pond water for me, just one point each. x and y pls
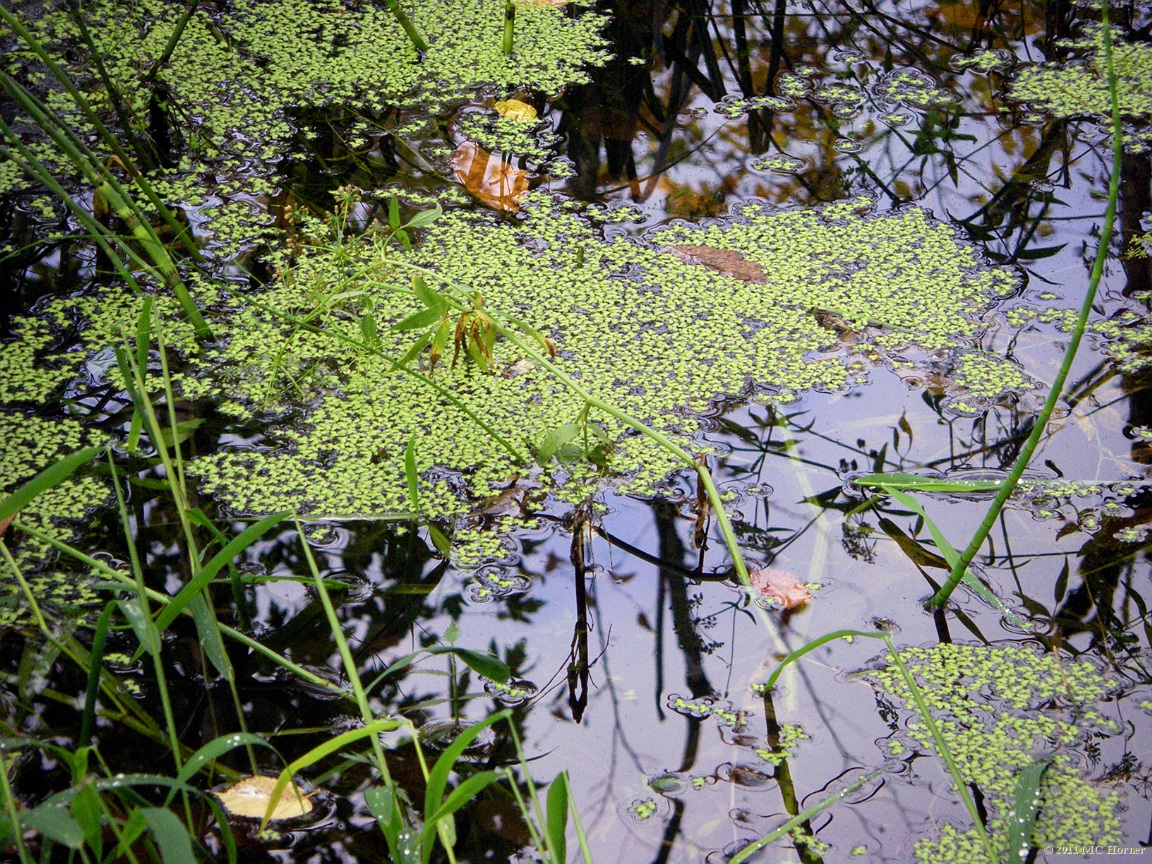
(638, 658)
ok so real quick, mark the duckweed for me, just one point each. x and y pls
(994, 705)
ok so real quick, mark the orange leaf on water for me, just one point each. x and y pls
(490, 178)
(781, 587)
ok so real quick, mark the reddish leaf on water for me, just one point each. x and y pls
(491, 179)
(780, 586)
(5, 522)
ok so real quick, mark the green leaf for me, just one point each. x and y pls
(144, 333)
(320, 751)
(557, 808)
(182, 432)
(426, 217)
(443, 544)
(456, 799)
(428, 296)
(438, 776)
(419, 320)
(56, 823)
(170, 835)
(411, 475)
(555, 440)
(953, 557)
(141, 625)
(488, 665)
(88, 811)
(51, 476)
(216, 748)
(209, 635)
(415, 350)
(1026, 800)
(394, 213)
(381, 801)
(369, 330)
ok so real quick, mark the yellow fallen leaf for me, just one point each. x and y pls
(493, 180)
(556, 3)
(249, 798)
(514, 109)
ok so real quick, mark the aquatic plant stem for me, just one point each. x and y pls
(104, 570)
(366, 712)
(509, 25)
(802, 817)
(1057, 388)
(13, 815)
(406, 24)
(109, 139)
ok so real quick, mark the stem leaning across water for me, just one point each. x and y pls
(1029, 448)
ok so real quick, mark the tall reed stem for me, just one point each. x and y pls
(1054, 393)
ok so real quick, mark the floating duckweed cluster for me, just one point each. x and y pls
(58, 592)
(986, 378)
(28, 445)
(701, 708)
(1066, 90)
(984, 62)
(913, 88)
(246, 84)
(779, 163)
(24, 375)
(735, 107)
(627, 316)
(498, 134)
(790, 737)
(994, 706)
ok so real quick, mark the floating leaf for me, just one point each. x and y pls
(724, 261)
(494, 181)
(250, 798)
(514, 109)
(781, 587)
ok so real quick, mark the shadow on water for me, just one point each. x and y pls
(634, 651)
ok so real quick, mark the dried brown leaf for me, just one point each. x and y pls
(493, 180)
(724, 261)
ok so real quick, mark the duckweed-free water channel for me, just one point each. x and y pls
(469, 405)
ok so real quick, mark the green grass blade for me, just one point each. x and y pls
(237, 545)
(95, 661)
(456, 799)
(812, 646)
(411, 475)
(51, 476)
(438, 776)
(556, 805)
(925, 484)
(319, 752)
(949, 553)
(1026, 800)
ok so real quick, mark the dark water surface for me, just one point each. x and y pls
(665, 622)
